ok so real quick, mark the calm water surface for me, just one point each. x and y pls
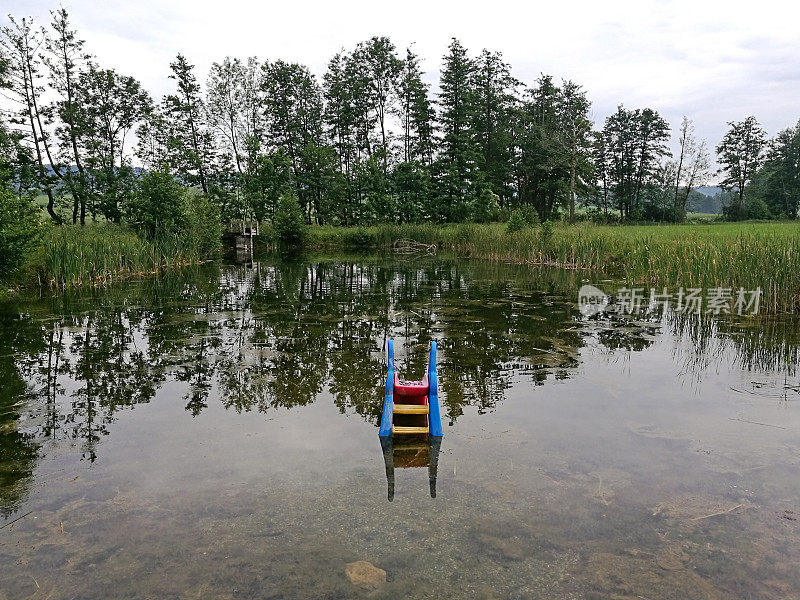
(213, 434)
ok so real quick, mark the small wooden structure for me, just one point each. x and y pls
(244, 231)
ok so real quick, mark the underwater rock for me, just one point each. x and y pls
(365, 575)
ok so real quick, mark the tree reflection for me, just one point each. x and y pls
(280, 334)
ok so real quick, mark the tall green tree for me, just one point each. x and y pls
(541, 165)
(741, 153)
(67, 60)
(458, 180)
(293, 110)
(575, 129)
(636, 143)
(112, 105)
(21, 44)
(493, 105)
(189, 136)
(416, 113)
(377, 60)
(780, 174)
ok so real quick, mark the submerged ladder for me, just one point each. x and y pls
(416, 402)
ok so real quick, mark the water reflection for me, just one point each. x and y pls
(411, 453)
(272, 335)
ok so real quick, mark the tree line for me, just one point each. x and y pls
(368, 142)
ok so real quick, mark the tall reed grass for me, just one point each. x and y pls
(732, 255)
(94, 255)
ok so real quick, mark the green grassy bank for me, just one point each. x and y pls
(99, 254)
(68, 257)
(747, 255)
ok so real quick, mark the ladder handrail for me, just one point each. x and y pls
(388, 398)
(434, 418)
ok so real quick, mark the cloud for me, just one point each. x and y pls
(712, 61)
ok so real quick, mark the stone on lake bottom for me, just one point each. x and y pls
(365, 575)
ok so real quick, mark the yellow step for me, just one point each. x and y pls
(411, 409)
(398, 429)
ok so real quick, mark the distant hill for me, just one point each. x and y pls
(705, 199)
(709, 190)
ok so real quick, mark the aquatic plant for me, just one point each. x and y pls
(74, 256)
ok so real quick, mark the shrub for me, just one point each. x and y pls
(20, 231)
(289, 224)
(161, 209)
(522, 217)
(203, 223)
(158, 205)
(756, 208)
(360, 237)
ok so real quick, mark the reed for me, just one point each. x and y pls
(96, 255)
(734, 255)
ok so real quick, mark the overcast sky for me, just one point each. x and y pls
(712, 61)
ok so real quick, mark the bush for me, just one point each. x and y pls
(756, 208)
(158, 205)
(522, 217)
(162, 208)
(360, 237)
(289, 224)
(20, 231)
(203, 223)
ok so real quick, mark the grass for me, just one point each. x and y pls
(734, 255)
(73, 256)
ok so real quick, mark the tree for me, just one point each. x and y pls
(635, 141)
(458, 179)
(541, 166)
(377, 60)
(493, 103)
(19, 230)
(21, 44)
(741, 154)
(234, 108)
(416, 113)
(111, 107)
(290, 227)
(779, 178)
(692, 166)
(66, 61)
(575, 129)
(185, 114)
(293, 111)
(270, 177)
(17, 166)
(412, 188)
(601, 161)
(157, 205)
(325, 185)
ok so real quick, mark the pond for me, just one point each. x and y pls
(213, 433)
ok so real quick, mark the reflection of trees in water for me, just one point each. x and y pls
(279, 334)
(766, 343)
(19, 449)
